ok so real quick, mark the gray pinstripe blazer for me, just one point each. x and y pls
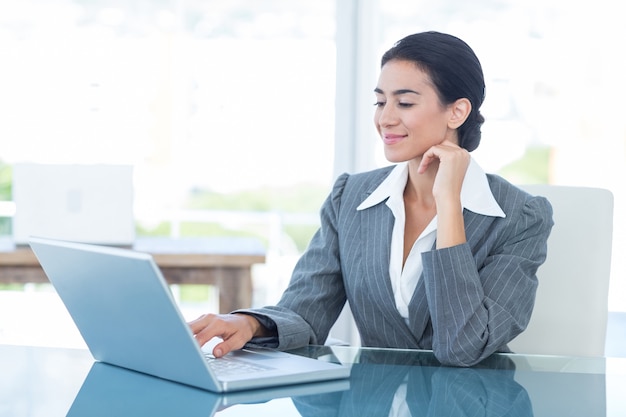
(471, 300)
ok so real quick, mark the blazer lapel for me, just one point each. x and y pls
(419, 314)
(377, 227)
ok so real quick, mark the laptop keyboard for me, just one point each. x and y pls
(230, 366)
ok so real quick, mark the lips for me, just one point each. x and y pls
(392, 139)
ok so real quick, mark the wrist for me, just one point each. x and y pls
(256, 329)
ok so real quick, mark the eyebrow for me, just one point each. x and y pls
(397, 92)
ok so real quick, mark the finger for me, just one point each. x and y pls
(228, 345)
(201, 322)
(206, 328)
(427, 159)
(209, 326)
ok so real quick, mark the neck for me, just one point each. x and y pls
(419, 187)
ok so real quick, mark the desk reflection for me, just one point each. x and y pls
(417, 385)
(382, 383)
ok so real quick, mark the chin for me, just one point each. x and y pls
(396, 158)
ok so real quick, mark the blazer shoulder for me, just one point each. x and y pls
(513, 199)
(362, 182)
(350, 190)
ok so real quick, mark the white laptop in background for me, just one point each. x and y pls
(81, 203)
(127, 316)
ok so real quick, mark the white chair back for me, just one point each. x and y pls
(571, 307)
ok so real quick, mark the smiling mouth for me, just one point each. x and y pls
(392, 139)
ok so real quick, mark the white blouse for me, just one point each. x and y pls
(476, 196)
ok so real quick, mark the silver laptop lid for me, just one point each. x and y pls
(126, 316)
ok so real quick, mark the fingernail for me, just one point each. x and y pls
(217, 352)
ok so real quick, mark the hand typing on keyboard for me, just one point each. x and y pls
(235, 330)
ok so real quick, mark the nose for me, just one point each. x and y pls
(385, 115)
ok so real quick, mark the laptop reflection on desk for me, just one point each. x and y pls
(109, 391)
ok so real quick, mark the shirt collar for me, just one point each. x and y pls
(476, 195)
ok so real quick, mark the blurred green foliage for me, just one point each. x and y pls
(293, 199)
(300, 198)
(11, 287)
(192, 293)
(6, 175)
(532, 168)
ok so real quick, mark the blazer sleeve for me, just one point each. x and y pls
(481, 293)
(315, 295)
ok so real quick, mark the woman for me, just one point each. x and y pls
(430, 253)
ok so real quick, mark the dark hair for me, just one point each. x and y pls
(455, 71)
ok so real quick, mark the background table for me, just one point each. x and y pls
(52, 382)
(222, 262)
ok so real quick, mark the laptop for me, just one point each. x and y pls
(112, 391)
(84, 203)
(127, 316)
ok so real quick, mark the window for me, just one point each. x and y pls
(198, 96)
(217, 105)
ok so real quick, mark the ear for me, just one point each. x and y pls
(460, 110)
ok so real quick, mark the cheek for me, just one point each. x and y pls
(431, 124)
(375, 119)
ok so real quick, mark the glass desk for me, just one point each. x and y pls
(36, 381)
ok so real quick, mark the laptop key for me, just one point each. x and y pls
(230, 366)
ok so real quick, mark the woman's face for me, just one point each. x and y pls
(409, 115)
